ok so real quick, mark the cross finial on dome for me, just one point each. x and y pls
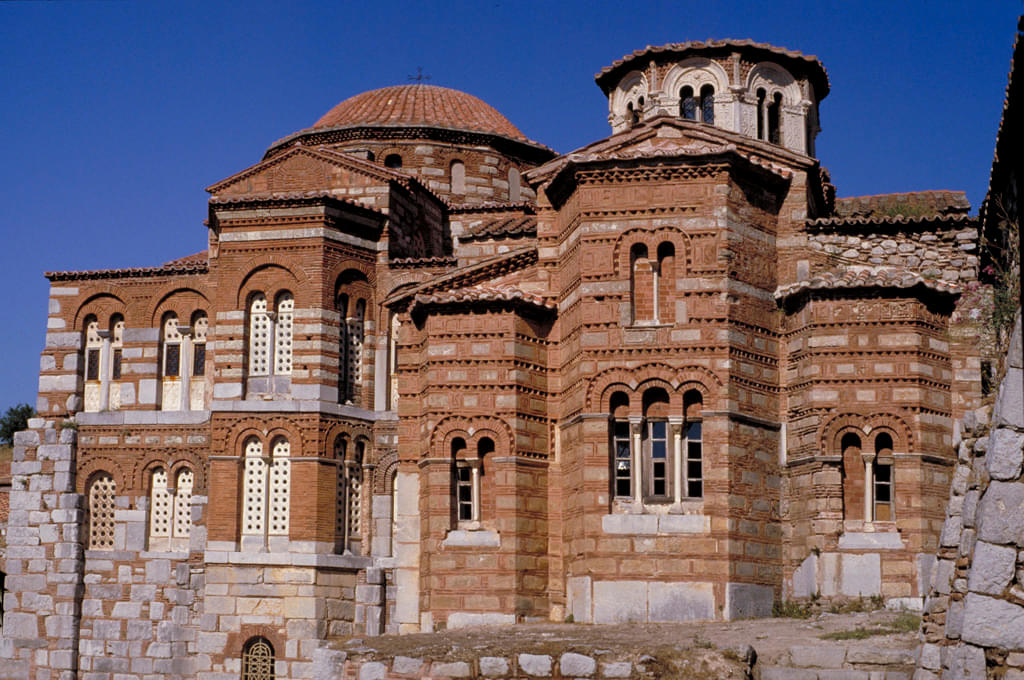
(419, 77)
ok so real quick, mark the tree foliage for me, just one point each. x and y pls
(14, 420)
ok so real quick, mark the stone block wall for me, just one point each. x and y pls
(974, 616)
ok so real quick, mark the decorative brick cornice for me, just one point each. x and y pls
(865, 279)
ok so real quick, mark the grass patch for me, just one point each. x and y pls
(791, 609)
(904, 623)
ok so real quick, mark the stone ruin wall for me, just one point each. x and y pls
(974, 614)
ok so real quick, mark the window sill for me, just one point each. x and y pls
(872, 540)
(478, 538)
(651, 524)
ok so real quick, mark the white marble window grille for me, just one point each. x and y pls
(183, 503)
(93, 356)
(280, 482)
(283, 334)
(258, 660)
(172, 348)
(254, 502)
(355, 492)
(160, 503)
(260, 332)
(341, 510)
(354, 356)
(101, 512)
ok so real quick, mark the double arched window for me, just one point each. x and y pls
(183, 358)
(351, 298)
(652, 282)
(868, 491)
(700, 106)
(102, 363)
(170, 513)
(270, 335)
(266, 489)
(348, 524)
(769, 116)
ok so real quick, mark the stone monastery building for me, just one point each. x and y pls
(430, 373)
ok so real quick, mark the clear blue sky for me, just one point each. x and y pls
(115, 115)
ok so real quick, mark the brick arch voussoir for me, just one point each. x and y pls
(184, 308)
(474, 428)
(901, 433)
(386, 466)
(239, 432)
(293, 279)
(832, 430)
(93, 466)
(171, 460)
(651, 237)
(283, 429)
(351, 430)
(103, 304)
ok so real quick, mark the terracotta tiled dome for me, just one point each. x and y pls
(420, 105)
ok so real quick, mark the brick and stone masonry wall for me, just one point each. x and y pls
(974, 616)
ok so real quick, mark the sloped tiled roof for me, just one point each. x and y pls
(420, 105)
(910, 204)
(482, 294)
(191, 264)
(811, 62)
(865, 278)
(503, 227)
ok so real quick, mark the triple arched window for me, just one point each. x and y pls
(170, 512)
(266, 490)
(270, 335)
(657, 456)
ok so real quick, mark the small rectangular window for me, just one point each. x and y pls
(464, 491)
(92, 364)
(694, 461)
(172, 360)
(883, 493)
(623, 459)
(199, 359)
(115, 370)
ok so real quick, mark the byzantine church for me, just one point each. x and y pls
(430, 374)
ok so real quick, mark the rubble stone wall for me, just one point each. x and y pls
(974, 615)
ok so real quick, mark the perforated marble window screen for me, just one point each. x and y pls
(258, 660)
(101, 512)
(160, 505)
(283, 334)
(254, 502)
(354, 356)
(355, 492)
(182, 504)
(280, 483)
(259, 336)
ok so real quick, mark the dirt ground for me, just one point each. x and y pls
(770, 638)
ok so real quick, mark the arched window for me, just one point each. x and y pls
(280, 488)
(348, 524)
(116, 350)
(283, 334)
(774, 117)
(393, 161)
(394, 511)
(197, 388)
(707, 104)
(160, 509)
(466, 481)
(354, 336)
(93, 356)
(687, 103)
(657, 461)
(643, 279)
(632, 115)
(853, 476)
(622, 456)
(458, 175)
(761, 95)
(101, 512)
(259, 335)
(693, 446)
(254, 500)
(170, 399)
(393, 362)
(883, 481)
(182, 527)
(257, 660)
(664, 283)
(514, 189)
